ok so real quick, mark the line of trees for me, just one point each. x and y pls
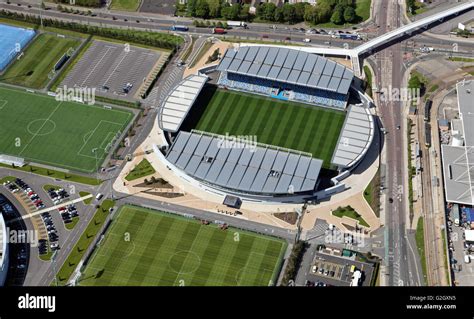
(83, 3)
(335, 11)
(155, 39)
(293, 263)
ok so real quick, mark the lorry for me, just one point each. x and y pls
(237, 24)
(179, 28)
(218, 31)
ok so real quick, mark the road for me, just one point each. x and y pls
(400, 260)
(256, 31)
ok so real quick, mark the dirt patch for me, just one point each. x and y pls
(289, 218)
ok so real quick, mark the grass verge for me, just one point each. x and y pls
(56, 174)
(420, 244)
(143, 169)
(84, 242)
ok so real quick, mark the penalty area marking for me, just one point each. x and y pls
(3, 103)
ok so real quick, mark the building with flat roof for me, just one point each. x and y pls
(458, 158)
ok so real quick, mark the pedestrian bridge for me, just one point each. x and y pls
(368, 47)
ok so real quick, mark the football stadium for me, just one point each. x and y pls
(267, 122)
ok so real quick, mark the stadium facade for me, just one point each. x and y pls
(286, 74)
(264, 171)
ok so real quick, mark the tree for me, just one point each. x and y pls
(191, 8)
(269, 13)
(202, 9)
(289, 13)
(278, 17)
(244, 12)
(338, 15)
(214, 8)
(324, 12)
(349, 14)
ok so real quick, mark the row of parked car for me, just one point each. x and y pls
(18, 184)
(52, 234)
(67, 212)
(57, 195)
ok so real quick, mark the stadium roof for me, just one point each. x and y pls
(244, 167)
(179, 101)
(356, 137)
(288, 66)
(458, 161)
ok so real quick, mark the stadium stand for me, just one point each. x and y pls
(286, 74)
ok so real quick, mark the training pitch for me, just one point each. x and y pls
(64, 134)
(150, 248)
(286, 124)
(34, 69)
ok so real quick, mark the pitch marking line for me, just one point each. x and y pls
(3, 103)
(39, 130)
(92, 134)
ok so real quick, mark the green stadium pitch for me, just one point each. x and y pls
(150, 248)
(285, 124)
(68, 135)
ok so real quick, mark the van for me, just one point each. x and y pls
(467, 259)
(99, 196)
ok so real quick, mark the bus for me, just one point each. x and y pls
(179, 28)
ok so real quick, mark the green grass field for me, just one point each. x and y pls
(125, 5)
(63, 134)
(286, 124)
(33, 68)
(150, 248)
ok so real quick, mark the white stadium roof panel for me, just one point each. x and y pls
(179, 101)
(260, 170)
(285, 65)
(356, 137)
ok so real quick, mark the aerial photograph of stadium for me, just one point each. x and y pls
(236, 143)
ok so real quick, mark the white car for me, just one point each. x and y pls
(307, 40)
